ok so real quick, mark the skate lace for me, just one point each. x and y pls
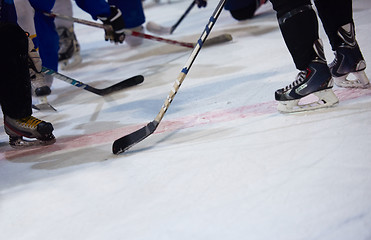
(29, 121)
(302, 75)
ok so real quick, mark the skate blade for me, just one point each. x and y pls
(326, 98)
(21, 143)
(360, 81)
(43, 105)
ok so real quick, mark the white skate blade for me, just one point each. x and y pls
(158, 29)
(70, 63)
(360, 81)
(326, 98)
(20, 143)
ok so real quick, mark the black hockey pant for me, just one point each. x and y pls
(15, 85)
(299, 25)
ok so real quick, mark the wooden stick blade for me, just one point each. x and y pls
(218, 39)
(158, 29)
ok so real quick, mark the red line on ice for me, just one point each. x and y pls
(224, 115)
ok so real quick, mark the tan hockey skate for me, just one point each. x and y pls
(39, 132)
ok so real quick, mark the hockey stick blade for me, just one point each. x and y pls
(158, 29)
(135, 80)
(122, 144)
(218, 39)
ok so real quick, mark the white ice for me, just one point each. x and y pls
(223, 164)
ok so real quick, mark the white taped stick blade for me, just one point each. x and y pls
(158, 29)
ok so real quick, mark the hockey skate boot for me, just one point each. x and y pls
(349, 60)
(40, 89)
(29, 127)
(69, 48)
(38, 83)
(315, 79)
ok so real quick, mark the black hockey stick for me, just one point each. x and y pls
(125, 142)
(135, 80)
(183, 16)
(156, 28)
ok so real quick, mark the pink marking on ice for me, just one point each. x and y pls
(225, 115)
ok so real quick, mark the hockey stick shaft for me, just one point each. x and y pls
(190, 61)
(127, 32)
(125, 142)
(182, 17)
(102, 92)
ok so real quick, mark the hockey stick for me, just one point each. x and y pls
(127, 32)
(125, 142)
(155, 28)
(102, 92)
(211, 41)
(183, 16)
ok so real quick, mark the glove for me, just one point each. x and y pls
(114, 26)
(34, 60)
(201, 3)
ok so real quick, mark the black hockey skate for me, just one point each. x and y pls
(316, 80)
(29, 127)
(349, 60)
(69, 48)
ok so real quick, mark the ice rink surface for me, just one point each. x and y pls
(223, 164)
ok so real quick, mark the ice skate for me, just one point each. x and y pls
(69, 49)
(315, 80)
(349, 61)
(40, 83)
(39, 132)
(40, 91)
